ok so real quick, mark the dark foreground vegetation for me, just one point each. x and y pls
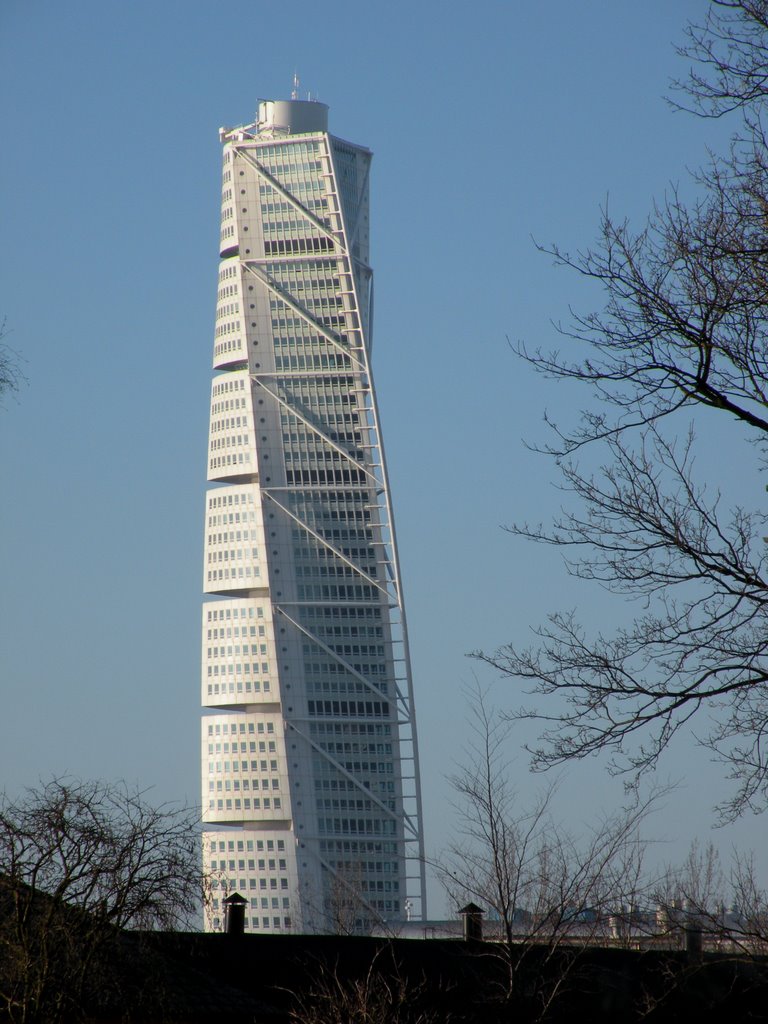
(157, 977)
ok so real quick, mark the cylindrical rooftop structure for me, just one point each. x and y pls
(293, 117)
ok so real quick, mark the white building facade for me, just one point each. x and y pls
(311, 800)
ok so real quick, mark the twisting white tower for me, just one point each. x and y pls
(311, 794)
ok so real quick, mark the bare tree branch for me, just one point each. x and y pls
(683, 338)
(729, 58)
(11, 376)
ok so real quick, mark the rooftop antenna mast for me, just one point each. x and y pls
(295, 90)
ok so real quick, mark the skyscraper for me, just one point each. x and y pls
(311, 798)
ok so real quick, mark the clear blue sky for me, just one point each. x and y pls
(490, 123)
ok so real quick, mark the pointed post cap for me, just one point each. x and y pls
(235, 900)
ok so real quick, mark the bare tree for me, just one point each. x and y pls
(345, 910)
(549, 894)
(381, 994)
(683, 337)
(726, 906)
(79, 861)
(10, 373)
